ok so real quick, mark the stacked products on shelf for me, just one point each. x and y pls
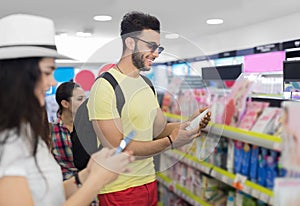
(260, 158)
(286, 189)
(210, 190)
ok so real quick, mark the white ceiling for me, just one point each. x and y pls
(186, 18)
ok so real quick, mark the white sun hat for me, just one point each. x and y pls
(23, 35)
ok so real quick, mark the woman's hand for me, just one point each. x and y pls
(107, 166)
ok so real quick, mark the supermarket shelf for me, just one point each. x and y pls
(268, 96)
(248, 187)
(190, 160)
(181, 191)
(175, 116)
(259, 139)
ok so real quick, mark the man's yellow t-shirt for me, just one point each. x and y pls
(138, 113)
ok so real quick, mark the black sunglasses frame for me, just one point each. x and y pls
(153, 46)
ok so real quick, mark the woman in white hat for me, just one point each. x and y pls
(29, 175)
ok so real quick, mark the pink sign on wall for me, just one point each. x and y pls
(265, 62)
(85, 79)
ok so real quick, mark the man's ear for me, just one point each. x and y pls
(130, 43)
(65, 103)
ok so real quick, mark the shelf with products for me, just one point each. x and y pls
(259, 139)
(248, 187)
(181, 191)
(255, 138)
(252, 147)
(175, 116)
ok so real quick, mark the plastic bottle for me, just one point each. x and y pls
(230, 201)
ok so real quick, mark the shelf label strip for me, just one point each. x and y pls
(248, 133)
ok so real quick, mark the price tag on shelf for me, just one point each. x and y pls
(188, 199)
(264, 197)
(194, 164)
(239, 181)
(247, 189)
(277, 146)
(213, 173)
(201, 168)
(255, 193)
(206, 170)
(225, 179)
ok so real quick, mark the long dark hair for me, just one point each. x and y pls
(18, 103)
(64, 92)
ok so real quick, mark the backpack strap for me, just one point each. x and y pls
(118, 91)
(149, 83)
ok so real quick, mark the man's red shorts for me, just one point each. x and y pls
(144, 195)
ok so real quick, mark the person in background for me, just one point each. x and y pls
(29, 175)
(140, 35)
(69, 96)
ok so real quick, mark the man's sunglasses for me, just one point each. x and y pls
(152, 45)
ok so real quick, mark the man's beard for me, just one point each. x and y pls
(137, 60)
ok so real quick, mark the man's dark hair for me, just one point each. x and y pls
(135, 22)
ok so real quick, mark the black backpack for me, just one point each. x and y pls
(84, 140)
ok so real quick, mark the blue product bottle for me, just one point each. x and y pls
(262, 173)
(230, 201)
(246, 160)
(271, 170)
(254, 164)
(238, 156)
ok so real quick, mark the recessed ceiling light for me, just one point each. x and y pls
(63, 34)
(172, 36)
(83, 34)
(102, 18)
(214, 21)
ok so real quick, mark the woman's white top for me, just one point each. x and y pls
(44, 176)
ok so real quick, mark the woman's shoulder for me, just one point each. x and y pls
(16, 151)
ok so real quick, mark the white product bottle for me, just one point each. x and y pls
(230, 201)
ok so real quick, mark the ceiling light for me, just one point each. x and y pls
(83, 34)
(102, 18)
(172, 36)
(63, 34)
(214, 21)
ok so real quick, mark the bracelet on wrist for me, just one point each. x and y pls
(171, 142)
(77, 180)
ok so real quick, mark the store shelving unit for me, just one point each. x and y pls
(181, 191)
(248, 187)
(259, 139)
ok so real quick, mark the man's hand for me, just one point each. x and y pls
(204, 122)
(180, 136)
